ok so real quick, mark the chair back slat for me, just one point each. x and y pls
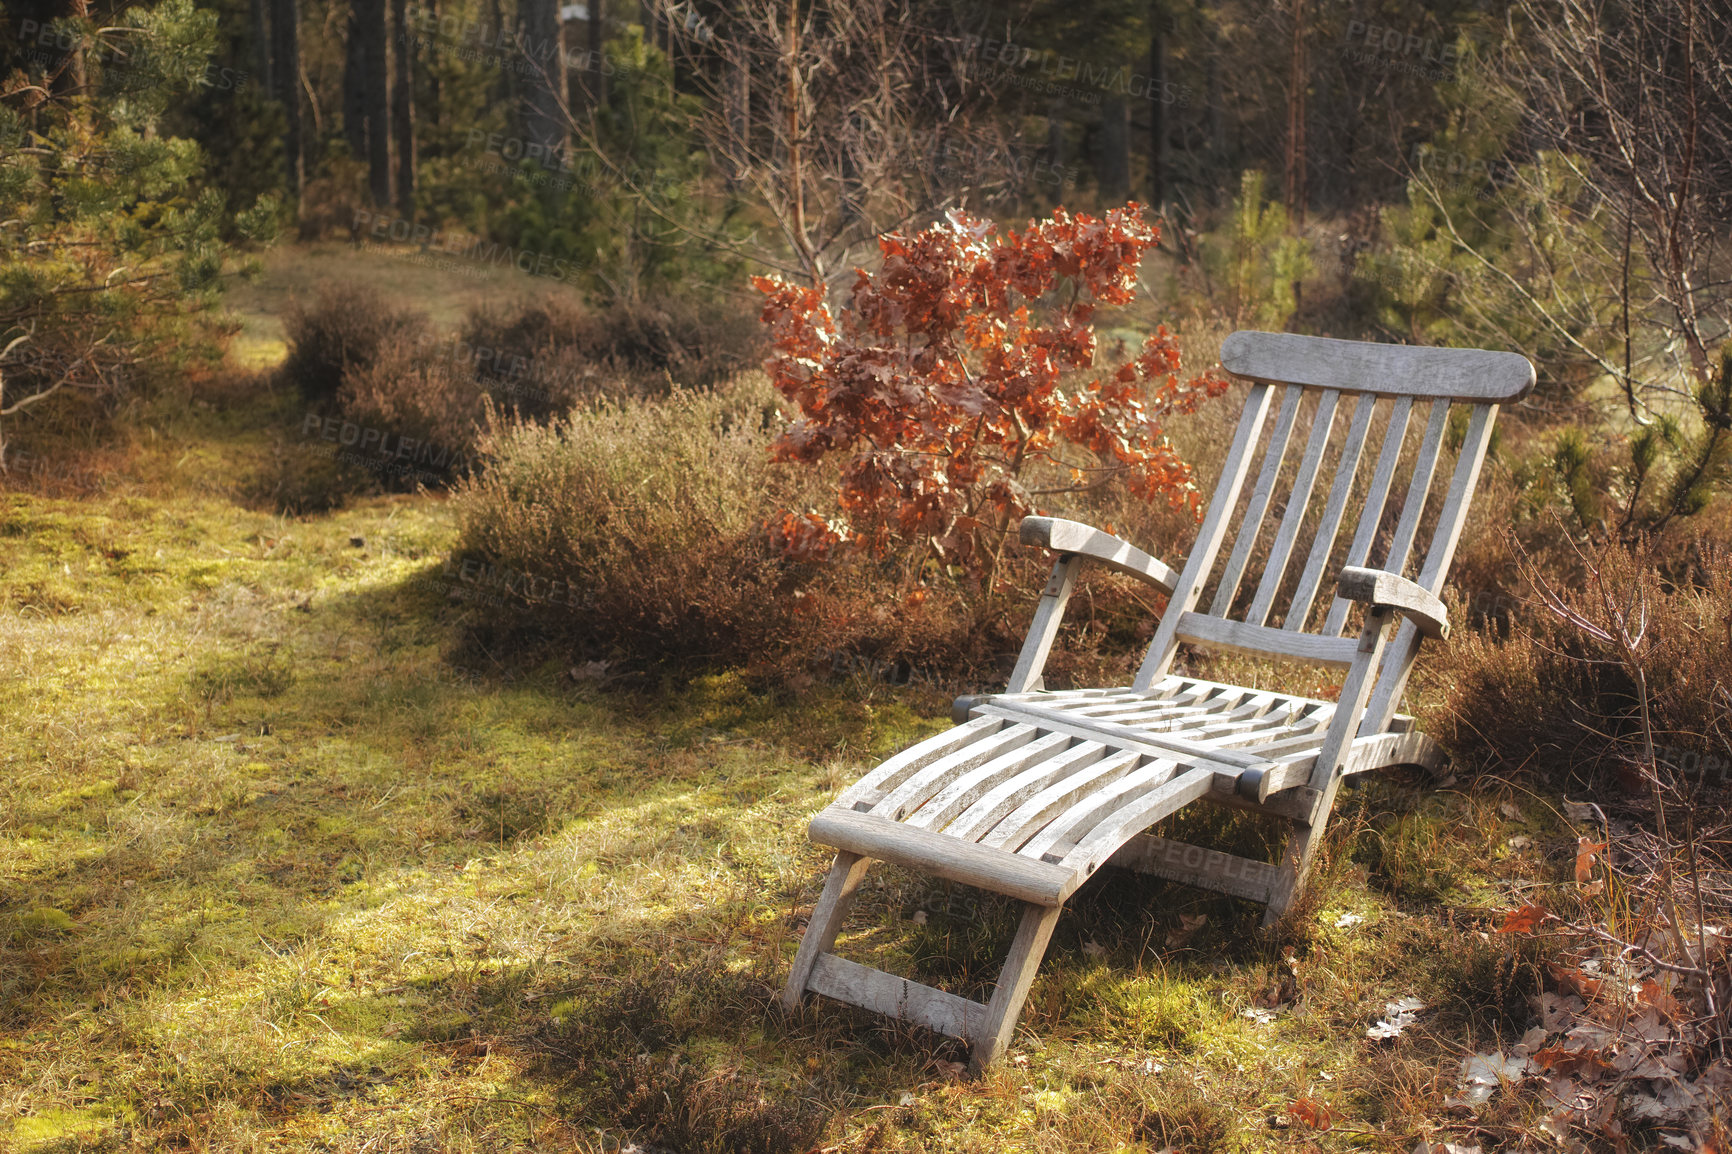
(1208, 544)
(1252, 524)
(1418, 488)
(1444, 538)
(1315, 375)
(1324, 540)
(1298, 499)
(1371, 513)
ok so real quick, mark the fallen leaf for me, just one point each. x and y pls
(1482, 1074)
(1259, 1015)
(951, 1070)
(1093, 949)
(1510, 810)
(1587, 852)
(1397, 1016)
(1312, 1113)
(1581, 810)
(1675, 1102)
(1189, 924)
(1574, 981)
(1656, 994)
(1348, 921)
(1524, 920)
(1561, 1061)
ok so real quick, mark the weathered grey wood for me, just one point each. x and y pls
(1346, 469)
(1039, 809)
(1396, 370)
(897, 998)
(1369, 752)
(840, 887)
(1176, 861)
(1392, 681)
(1251, 525)
(1043, 630)
(961, 792)
(1034, 791)
(1238, 637)
(1298, 502)
(947, 857)
(1127, 736)
(1060, 835)
(1129, 820)
(1202, 559)
(908, 796)
(1382, 750)
(986, 811)
(1029, 946)
(1418, 486)
(916, 757)
(1120, 556)
(1412, 600)
(1325, 774)
(1371, 513)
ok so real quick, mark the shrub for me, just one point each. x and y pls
(344, 328)
(960, 396)
(1563, 705)
(636, 524)
(546, 355)
(410, 391)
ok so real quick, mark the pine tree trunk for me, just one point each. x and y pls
(544, 122)
(376, 103)
(403, 108)
(1113, 158)
(1158, 100)
(286, 76)
(355, 86)
(597, 34)
(259, 17)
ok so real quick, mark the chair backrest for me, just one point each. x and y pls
(1377, 419)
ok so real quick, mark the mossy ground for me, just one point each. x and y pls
(285, 863)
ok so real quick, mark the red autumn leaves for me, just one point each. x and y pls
(955, 385)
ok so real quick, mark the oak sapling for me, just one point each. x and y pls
(963, 382)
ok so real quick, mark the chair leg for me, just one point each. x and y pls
(1026, 951)
(826, 920)
(1291, 874)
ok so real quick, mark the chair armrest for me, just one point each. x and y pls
(1389, 590)
(1063, 536)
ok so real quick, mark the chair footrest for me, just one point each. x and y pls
(895, 997)
(948, 857)
(1240, 877)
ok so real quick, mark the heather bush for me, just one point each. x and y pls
(1532, 692)
(544, 355)
(412, 390)
(636, 524)
(344, 328)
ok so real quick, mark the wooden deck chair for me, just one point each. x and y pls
(1032, 792)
